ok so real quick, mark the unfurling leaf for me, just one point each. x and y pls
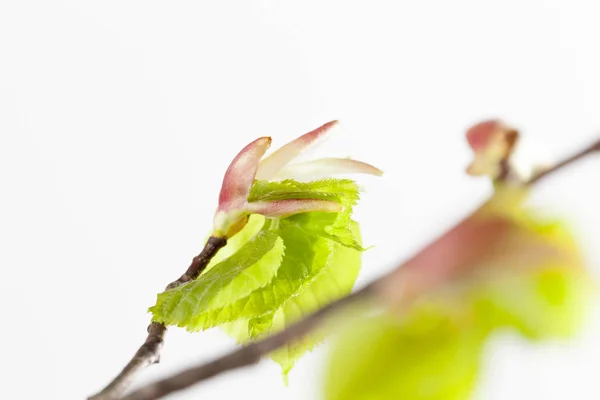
(292, 246)
(502, 267)
(274, 271)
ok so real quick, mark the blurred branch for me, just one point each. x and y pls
(149, 351)
(566, 162)
(252, 353)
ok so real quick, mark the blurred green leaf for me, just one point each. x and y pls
(530, 279)
(426, 355)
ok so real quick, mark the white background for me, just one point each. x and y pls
(118, 119)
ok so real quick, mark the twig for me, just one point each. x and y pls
(567, 161)
(149, 352)
(253, 352)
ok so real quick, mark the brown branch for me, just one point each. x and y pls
(252, 353)
(566, 162)
(149, 352)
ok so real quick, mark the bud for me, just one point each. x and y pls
(492, 143)
(233, 209)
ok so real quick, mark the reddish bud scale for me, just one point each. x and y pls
(480, 135)
(239, 176)
(492, 142)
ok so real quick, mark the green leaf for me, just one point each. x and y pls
(248, 269)
(433, 352)
(341, 190)
(334, 226)
(425, 356)
(304, 259)
(534, 281)
(321, 264)
(547, 303)
(530, 279)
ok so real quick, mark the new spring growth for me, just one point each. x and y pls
(234, 208)
(492, 143)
